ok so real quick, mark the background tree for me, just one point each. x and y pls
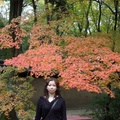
(79, 66)
(15, 94)
(15, 9)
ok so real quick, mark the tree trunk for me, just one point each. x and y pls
(100, 12)
(119, 22)
(46, 9)
(12, 115)
(87, 20)
(58, 9)
(116, 14)
(34, 7)
(15, 9)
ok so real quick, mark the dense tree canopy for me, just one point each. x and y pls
(82, 63)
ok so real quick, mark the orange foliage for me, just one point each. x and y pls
(42, 34)
(11, 35)
(43, 60)
(81, 63)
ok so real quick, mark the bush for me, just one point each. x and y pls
(106, 108)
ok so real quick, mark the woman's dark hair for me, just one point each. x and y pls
(57, 85)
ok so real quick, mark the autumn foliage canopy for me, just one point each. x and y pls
(82, 63)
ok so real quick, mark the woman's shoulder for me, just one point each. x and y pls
(60, 98)
(42, 98)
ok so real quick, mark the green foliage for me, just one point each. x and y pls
(15, 93)
(115, 40)
(106, 108)
(6, 53)
(25, 44)
(2, 117)
(1, 23)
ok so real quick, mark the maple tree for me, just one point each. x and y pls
(82, 63)
(6, 39)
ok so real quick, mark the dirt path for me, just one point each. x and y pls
(78, 118)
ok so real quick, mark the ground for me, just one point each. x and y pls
(81, 114)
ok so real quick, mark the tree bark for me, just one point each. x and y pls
(87, 20)
(34, 8)
(15, 9)
(100, 13)
(116, 14)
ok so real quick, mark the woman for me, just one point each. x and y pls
(51, 106)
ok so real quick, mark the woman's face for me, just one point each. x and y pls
(51, 87)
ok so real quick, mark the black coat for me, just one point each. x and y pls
(58, 112)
